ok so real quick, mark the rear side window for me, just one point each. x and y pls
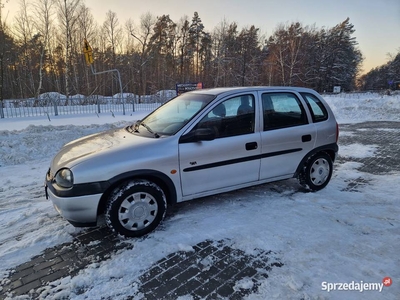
(282, 110)
(317, 109)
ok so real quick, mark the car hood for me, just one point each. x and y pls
(81, 149)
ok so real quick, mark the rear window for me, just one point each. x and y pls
(317, 109)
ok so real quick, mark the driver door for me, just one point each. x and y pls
(231, 158)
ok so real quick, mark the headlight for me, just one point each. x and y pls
(64, 178)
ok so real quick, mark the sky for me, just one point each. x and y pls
(377, 22)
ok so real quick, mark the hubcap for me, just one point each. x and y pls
(319, 171)
(137, 211)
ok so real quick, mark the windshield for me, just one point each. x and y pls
(173, 115)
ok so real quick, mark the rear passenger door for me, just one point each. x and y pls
(287, 134)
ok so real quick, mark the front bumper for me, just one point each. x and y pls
(80, 211)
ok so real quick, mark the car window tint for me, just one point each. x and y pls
(281, 110)
(318, 110)
(234, 116)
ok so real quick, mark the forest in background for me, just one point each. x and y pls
(41, 50)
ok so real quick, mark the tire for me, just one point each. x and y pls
(135, 208)
(317, 172)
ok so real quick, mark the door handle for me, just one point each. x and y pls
(306, 138)
(251, 146)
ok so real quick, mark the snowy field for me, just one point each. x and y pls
(332, 236)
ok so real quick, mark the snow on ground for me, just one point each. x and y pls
(335, 235)
(359, 107)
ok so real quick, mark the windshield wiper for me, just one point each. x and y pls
(133, 127)
(156, 135)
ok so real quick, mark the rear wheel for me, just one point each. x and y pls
(317, 172)
(136, 208)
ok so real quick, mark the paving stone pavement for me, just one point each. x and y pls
(210, 272)
(385, 136)
(214, 268)
(64, 260)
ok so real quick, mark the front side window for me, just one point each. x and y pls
(281, 110)
(173, 115)
(234, 116)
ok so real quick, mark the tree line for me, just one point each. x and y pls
(385, 77)
(41, 50)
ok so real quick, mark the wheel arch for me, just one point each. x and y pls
(331, 150)
(159, 178)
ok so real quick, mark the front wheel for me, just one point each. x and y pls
(136, 208)
(317, 172)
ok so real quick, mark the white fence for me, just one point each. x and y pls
(53, 106)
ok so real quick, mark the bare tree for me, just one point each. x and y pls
(231, 62)
(218, 38)
(39, 53)
(147, 22)
(43, 12)
(113, 33)
(23, 29)
(112, 38)
(2, 51)
(286, 45)
(67, 16)
(86, 23)
(87, 30)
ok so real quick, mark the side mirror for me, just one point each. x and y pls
(198, 135)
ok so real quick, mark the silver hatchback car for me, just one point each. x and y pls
(200, 143)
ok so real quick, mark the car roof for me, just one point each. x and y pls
(232, 90)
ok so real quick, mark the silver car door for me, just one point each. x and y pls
(287, 135)
(231, 158)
